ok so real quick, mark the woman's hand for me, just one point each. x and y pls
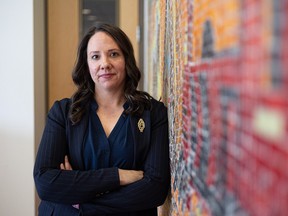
(66, 165)
(129, 176)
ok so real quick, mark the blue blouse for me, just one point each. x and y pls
(116, 150)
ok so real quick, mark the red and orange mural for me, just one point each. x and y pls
(219, 65)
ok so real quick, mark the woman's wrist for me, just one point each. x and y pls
(129, 176)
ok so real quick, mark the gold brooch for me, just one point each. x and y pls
(141, 125)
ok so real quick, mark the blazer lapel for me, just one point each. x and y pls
(141, 138)
(76, 136)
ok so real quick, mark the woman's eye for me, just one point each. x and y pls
(95, 57)
(114, 54)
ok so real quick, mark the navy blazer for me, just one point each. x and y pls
(98, 191)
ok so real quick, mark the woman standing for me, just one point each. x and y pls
(105, 151)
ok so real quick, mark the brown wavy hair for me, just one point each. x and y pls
(138, 100)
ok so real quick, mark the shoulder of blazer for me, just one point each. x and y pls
(58, 113)
(157, 106)
(60, 108)
(158, 113)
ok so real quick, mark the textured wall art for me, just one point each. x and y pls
(221, 68)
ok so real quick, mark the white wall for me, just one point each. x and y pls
(21, 72)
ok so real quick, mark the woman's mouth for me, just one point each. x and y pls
(106, 75)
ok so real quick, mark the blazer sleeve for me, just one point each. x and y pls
(63, 186)
(152, 190)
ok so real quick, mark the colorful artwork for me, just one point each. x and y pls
(219, 65)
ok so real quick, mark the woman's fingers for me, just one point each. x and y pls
(66, 165)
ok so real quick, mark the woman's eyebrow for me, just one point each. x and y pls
(114, 49)
(109, 50)
(93, 52)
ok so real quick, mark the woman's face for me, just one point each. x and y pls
(106, 63)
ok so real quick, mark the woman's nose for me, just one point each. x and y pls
(105, 64)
